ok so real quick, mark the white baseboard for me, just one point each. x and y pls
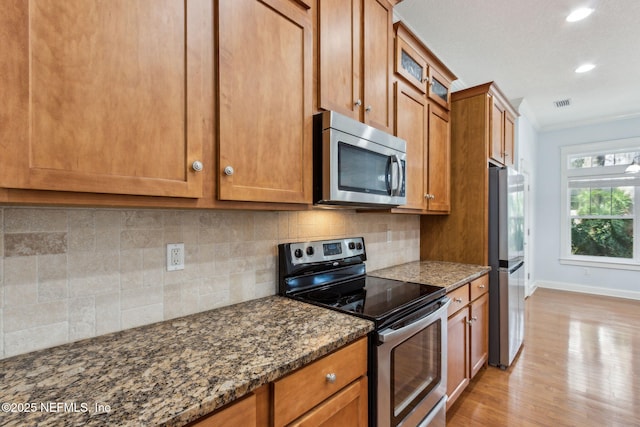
(594, 290)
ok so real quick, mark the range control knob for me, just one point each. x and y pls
(352, 245)
(359, 246)
(298, 253)
(310, 250)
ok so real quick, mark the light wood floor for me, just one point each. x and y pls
(580, 366)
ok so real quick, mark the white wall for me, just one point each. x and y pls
(548, 270)
(527, 141)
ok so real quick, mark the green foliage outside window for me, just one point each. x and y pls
(606, 237)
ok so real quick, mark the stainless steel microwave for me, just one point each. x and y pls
(357, 165)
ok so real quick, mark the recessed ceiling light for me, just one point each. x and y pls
(579, 14)
(584, 68)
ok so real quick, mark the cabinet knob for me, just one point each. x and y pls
(368, 108)
(331, 378)
(429, 196)
(358, 103)
(474, 319)
(458, 300)
(228, 171)
(197, 166)
(469, 322)
(481, 286)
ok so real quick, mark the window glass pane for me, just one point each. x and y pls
(576, 162)
(609, 160)
(624, 158)
(600, 201)
(602, 237)
(597, 161)
(622, 201)
(580, 201)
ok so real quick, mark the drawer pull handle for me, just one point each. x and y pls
(331, 378)
(481, 286)
(458, 300)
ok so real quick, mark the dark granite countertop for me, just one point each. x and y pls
(173, 372)
(450, 275)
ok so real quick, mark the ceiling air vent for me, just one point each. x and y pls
(562, 103)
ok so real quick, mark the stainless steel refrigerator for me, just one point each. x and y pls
(506, 257)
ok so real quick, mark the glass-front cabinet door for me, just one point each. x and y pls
(439, 88)
(410, 64)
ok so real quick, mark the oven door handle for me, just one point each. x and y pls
(388, 335)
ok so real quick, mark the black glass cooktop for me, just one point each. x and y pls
(372, 297)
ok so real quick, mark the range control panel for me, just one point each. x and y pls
(326, 250)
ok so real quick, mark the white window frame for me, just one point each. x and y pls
(620, 145)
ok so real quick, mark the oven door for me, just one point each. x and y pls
(361, 172)
(412, 366)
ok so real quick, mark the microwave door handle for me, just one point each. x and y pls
(400, 177)
(396, 175)
(389, 176)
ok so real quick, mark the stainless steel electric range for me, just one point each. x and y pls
(407, 350)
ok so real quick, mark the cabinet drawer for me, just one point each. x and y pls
(459, 299)
(479, 287)
(295, 394)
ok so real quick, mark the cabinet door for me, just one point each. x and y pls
(439, 88)
(339, 47)
(439, 168)
(410, 64)
(457, 355)
(265, 101)
(411, 125)
(348, 407)
(496, 148)
(238, 414)
(377, 56)
(104, 96)
(479, 336)
(509, 137)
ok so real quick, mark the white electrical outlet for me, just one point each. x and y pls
(175, 256)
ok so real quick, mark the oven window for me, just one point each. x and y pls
(362, 170)
(415, 370)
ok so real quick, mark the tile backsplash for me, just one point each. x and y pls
(70, 274)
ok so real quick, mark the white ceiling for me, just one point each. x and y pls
(531, 52)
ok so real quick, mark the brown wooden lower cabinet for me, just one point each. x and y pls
(457, 354)
(241, 413)
(316, 390)
(467, 335)
(346, 408)
(332, 391)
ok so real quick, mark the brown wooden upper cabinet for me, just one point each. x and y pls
(475, 119)
(104, 97)
(355, 55)
(265, 101)
(416, 64)
(502, 128)
(423, 123)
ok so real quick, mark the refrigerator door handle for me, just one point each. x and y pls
(516, 267)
